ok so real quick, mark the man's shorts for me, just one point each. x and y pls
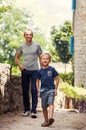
(47, 98)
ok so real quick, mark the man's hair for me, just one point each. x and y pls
(28, 30)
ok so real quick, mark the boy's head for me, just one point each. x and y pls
(45, 59)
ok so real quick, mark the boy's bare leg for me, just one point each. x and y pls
(45, 113)
(51, 110)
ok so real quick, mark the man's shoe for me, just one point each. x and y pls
(26, 113)
(33, 115)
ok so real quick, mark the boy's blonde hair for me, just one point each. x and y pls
(45, 54)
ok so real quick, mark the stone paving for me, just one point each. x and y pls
(63, 121)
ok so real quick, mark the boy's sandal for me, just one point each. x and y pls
(51, 120)
(45, 124)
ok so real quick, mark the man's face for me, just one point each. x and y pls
(28, 35)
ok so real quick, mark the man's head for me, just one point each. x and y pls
(28, 35)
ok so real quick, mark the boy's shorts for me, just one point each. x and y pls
(47, 98)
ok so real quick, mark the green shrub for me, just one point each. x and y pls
(74, 92)
(15, 71)
(67, 77)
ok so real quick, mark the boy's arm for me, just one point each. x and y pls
(56, 84)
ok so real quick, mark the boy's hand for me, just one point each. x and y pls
(55, 92)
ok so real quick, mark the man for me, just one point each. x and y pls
(30, 51)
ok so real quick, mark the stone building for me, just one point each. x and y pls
(79, 24)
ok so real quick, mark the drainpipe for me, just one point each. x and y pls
(73, 10)
(72, 37)
(71, 45)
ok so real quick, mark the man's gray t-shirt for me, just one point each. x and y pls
(30, 55)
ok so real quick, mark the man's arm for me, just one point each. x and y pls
(17, 60)
(38, 87)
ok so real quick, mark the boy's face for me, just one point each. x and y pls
(45, 60)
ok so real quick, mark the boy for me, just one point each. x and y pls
(48, 89)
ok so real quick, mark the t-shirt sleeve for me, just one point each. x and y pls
(19, 50)
(55, 73)
(39, 50)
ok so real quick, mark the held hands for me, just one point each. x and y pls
(38, 94)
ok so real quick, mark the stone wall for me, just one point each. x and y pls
(62, 102)
(10, 90)
(4, 87)
(80, 43)
(15, 93)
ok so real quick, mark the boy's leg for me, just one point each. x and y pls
(51, 107)
(51, 110)
(45, 114)
(44, 97)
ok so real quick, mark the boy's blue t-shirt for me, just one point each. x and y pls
(47, 78)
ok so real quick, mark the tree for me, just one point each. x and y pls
(13, 22)
(63, 52)
(5, 5)
(61, 39)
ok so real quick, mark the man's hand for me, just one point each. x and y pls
(21, 67)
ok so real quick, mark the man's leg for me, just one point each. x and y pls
(34, 91)
(25, 89)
